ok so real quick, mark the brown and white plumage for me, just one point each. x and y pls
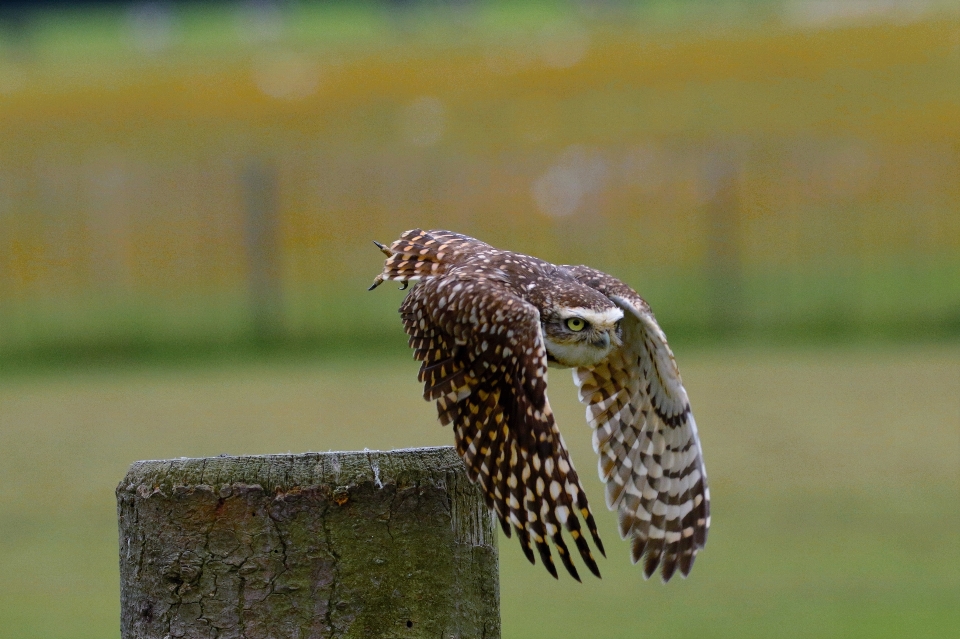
(486, 324)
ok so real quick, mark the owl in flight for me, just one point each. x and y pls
(486, 324)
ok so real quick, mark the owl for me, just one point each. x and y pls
(486, 325)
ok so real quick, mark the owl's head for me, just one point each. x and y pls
(581, 336)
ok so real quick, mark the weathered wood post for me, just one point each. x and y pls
(360, 544)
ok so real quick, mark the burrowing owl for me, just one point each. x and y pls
(486, 324)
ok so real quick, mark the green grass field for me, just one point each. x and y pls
(834, 476)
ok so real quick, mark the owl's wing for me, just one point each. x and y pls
(646, 437)
(485, 364)
(420, 254)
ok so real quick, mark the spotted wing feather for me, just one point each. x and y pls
(418, 254)
(646, 438)
(484, 362)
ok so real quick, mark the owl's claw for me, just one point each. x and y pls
(404, 285)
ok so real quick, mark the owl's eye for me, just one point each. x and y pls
(576, 324)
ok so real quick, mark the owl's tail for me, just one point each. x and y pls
(419, 254)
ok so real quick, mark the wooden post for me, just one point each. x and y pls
(721, 175)
(263, 251)
(359, 544)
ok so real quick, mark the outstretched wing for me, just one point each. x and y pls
(485, 364)
(420, 254)
(646, 437)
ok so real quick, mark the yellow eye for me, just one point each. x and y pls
(576, 324)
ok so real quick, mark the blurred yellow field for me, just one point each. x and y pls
(770, 170)
(833, 475)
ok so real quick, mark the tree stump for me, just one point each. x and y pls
(359, 544)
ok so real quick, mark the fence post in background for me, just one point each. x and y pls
(721, 177)
(262, 239)
(360, 544)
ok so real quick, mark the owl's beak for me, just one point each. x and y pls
(608, 338)
(602, 341)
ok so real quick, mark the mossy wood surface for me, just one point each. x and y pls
(359, 544)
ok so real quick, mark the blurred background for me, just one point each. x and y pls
(188, 194)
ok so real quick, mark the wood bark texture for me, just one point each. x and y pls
(360, 544)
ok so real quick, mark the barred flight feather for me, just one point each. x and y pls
(647, 440)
